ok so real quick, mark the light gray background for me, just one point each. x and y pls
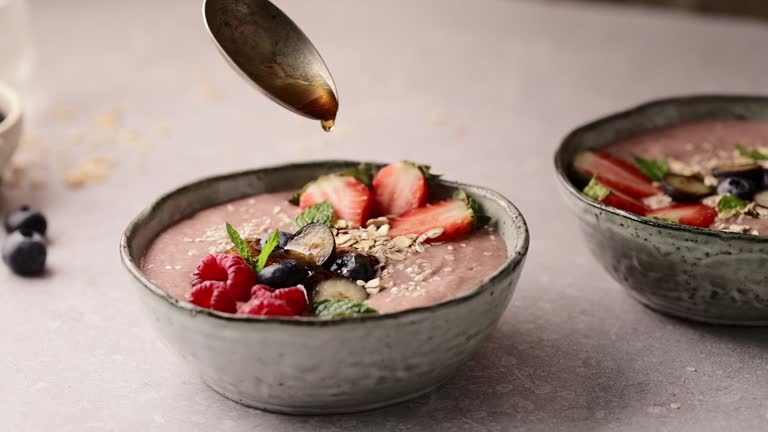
(482, 90)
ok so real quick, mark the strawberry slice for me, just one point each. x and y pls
(598, 192)
(400, 187)
(616, 174)
(349, 196)
(698, 215)
(456, 217)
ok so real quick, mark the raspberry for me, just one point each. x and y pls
(201, 294)
(294, 297)
(222, 301)
(260, 291)
(265, 307)
(232, 269)
(209, 270)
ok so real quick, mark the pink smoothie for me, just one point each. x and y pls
(696, 148)
(442, 272)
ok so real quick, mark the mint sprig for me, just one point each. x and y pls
(730, 202)
(595, 190)
(242, 247)
(319, 213)
(653, 169)
(752, 154)
(340, 308)
(269, 246)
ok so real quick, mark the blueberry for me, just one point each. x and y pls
(26, 217)
(284, 274)
(354, 266)
(25, 251)
(738, 187)
(284, 237)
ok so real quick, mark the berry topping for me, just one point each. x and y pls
(315, 240)
(222, 301)
(260, 291)
(698, 215)
(339, 289)
(737, 186)
(685, 189)
(265, 307)
(354, 266)
(25, 252)
(294, 297)
(283, 239)
(598, 192)
(400, 187)
(283, 274)
(28, 218)
(212, 295)
(232, 269)
(445, 220)
(350, 198)
(749, 171)
(616, 174)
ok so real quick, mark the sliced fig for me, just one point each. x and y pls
(314, 240)
(685, 189)
(338, 288)
(749, 171)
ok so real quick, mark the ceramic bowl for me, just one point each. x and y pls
(312, 366)
(10, 128)
(689, 272)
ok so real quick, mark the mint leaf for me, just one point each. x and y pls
(595, 190)
(654, 170)
(321, 213)
(730, 202)
(242, 247)
(425, 171)
(339, 308)
(269, 246)
(752, 154)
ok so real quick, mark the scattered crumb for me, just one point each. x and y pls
(89, 171)
(691, 369)
(675, 406)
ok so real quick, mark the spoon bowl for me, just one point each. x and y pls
(268, 49)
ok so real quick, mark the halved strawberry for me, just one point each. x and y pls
(698, 215)
(456, 217)
(400, 187)
(616, 174)
(598, 192)
(346, 191)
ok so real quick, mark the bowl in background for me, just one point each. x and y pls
(313, 366)
(694, 273)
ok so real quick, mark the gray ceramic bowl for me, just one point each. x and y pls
(694, 273)
(310, 366)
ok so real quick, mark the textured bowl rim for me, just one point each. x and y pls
(514, 259)
(562, 166)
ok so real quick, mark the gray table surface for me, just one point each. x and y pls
(482, 90)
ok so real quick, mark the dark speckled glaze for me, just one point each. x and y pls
(694, 273)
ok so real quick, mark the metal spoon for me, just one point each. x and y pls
(264, 45)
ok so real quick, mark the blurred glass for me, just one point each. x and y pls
(14, 41)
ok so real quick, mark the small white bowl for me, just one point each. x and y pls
(10, 127)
